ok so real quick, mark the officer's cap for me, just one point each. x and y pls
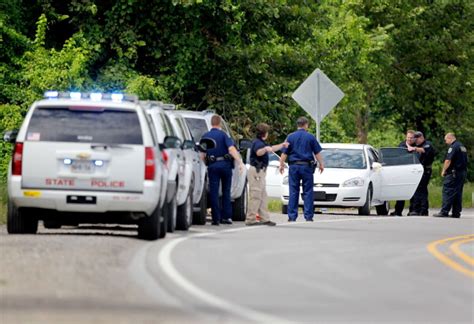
(418, 134)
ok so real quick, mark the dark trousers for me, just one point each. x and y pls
(453, 184)
(220, 174)
(297, 174)
(419, 202)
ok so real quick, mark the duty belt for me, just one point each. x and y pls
(213, 158)
(301, 163)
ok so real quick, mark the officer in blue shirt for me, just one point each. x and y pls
(302, 149)
(454, 173)
(220, 162)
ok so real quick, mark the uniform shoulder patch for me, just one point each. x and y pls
(463, 149)
(450, 150)
(427, 146)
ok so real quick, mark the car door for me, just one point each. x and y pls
(274, 178)
(375, 173)
(401, 172)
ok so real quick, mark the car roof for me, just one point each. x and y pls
(198, 114)
(344, 146)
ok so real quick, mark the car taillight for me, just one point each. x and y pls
(149, 163)
(164, 155)
(17, 159)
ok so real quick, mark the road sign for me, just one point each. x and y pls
(318, 95)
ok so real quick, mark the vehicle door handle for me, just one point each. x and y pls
(416, 171)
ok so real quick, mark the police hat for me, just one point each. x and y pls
(418, 134)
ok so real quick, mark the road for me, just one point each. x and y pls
(341, 268)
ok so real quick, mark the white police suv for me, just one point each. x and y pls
(86, 158)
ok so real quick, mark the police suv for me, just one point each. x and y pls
(199, 123)
(86, 158)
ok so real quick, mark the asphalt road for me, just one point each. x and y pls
(341, 268)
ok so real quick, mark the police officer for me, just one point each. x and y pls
(256, 177)
(302, 149)
(419, 203)
(454, 173)
(409, 144)
(220, 162)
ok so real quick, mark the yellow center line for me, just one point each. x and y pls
(432, 248)
(459, 253)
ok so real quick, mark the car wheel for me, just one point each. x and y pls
(383, 209)
(149, 226)
(185, 212)
(284, 209)
(239, 207)
(52, 224)
(365, 210)
(172, 207)
(199, 217)
(20, 220)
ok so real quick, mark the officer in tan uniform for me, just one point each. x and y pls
(256, 177)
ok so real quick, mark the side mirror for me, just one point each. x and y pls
(172, 142)
(206, 144)
(10, 136)
(188, 144)
(245, 144)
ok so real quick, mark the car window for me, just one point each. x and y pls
(73, 124)
(165, 122)
(273, 157)
(373, 156)
(343, 158)
(398, 156)
(197, 126)
(182, 128)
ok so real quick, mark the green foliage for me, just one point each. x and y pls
(401, 64)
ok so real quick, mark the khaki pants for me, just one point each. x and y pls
(258, 196)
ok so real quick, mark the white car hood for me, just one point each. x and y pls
(338, 175)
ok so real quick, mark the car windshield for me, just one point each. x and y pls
(343, 158)
(75, 125)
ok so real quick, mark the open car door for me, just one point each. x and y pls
(401, 173)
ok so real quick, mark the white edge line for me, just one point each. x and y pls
(164, 261)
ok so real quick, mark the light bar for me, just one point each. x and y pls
(93, 96)
(51, 94)
(96, 96)
(117, 97)
(75, 95)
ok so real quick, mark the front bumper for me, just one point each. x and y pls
(332, 197)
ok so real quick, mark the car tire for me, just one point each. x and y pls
(20, 220)
(240, 205)
(382, 210)
(164, 220)
(185, 212)
(51, 224)
(149, 226)
(172, 207)
(199, 217)
(365, 210)
(284, 209)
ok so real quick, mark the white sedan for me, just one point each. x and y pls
(273, 178)
(357, 175)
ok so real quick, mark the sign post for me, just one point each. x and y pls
(318, 95)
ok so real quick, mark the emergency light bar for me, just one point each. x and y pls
(94, 96)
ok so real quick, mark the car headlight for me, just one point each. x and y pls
(354, 182)
(285, 180)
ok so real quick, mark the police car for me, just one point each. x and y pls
(86, 158)
(358, 175)
(200, 123)
(195, 168)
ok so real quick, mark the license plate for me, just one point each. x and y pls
(79, 166)
(319, 195)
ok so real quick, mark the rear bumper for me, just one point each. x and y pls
(144, 202)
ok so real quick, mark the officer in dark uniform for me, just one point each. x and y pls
(220, 162)
(302, 150)
(409, 144)
(419, 203)
(454, 173)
